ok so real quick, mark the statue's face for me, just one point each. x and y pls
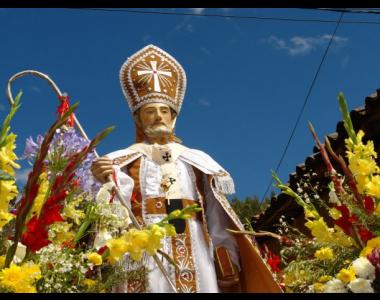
(156, 119)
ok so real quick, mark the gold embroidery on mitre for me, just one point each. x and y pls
(153, 75)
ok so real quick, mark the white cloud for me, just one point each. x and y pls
(345, 60)
(22, 175)
(185, 25)
(197, 10)
(205, 50)
(299, 45)
(204, 102)
(35, 89)
(189, 28)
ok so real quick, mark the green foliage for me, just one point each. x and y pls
(249, 207)
(6, 124)
(5, 176)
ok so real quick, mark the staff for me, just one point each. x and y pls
(81, 130)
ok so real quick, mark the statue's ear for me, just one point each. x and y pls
(136, 117)
(173, 113)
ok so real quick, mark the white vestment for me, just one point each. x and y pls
(150, 185)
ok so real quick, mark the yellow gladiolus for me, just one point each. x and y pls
(373, 186)
(7, 155)
(117, 248)
(371, 244)
(8, 188)
(170, 230)
(334, 213)
(319, 230)
(5, 217)
(157, 233)
(175, 213)
(42, 190)
(362, 166)
(70, 211)
(311, 214)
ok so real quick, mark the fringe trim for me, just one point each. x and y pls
(224, 184)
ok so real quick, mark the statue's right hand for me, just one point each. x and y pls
(101, 168)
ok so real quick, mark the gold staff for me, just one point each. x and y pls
(81, 130)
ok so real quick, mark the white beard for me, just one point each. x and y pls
(157, 131)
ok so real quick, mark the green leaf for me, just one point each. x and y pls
(5, 176)
(101, 136)
(5, 127)
(346, 117)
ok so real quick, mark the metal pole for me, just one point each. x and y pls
(81, 130)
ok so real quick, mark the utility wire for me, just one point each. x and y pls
(358, 10)
(224, 16)
(305, 102)
(259, 18)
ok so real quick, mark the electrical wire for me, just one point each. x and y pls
(304, 103)
(225, 16)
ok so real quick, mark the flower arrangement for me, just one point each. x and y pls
(65, 232)
(342, 254)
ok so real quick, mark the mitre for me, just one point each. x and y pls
(152, 75)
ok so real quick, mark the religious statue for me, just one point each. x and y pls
(158, 174)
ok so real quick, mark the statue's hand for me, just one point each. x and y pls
(101, 168)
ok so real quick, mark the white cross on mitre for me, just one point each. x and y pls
(156, 73)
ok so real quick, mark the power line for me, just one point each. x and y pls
(224, 16)
(305, 102)
(358, 11)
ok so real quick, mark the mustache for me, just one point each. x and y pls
(156, 130)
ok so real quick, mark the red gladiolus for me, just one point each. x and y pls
(365, 234)
(36, 237)
(102, 250)
(30, 197)
(345, 221)
(274, 262)
(63, 108)
(52, 215)
(369, 204)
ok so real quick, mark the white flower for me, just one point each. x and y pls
(101, 239)
(333, 198)
(364, 269)
(334, 286)
(361, 285)
(104, 194)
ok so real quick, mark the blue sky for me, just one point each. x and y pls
(247, 79)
